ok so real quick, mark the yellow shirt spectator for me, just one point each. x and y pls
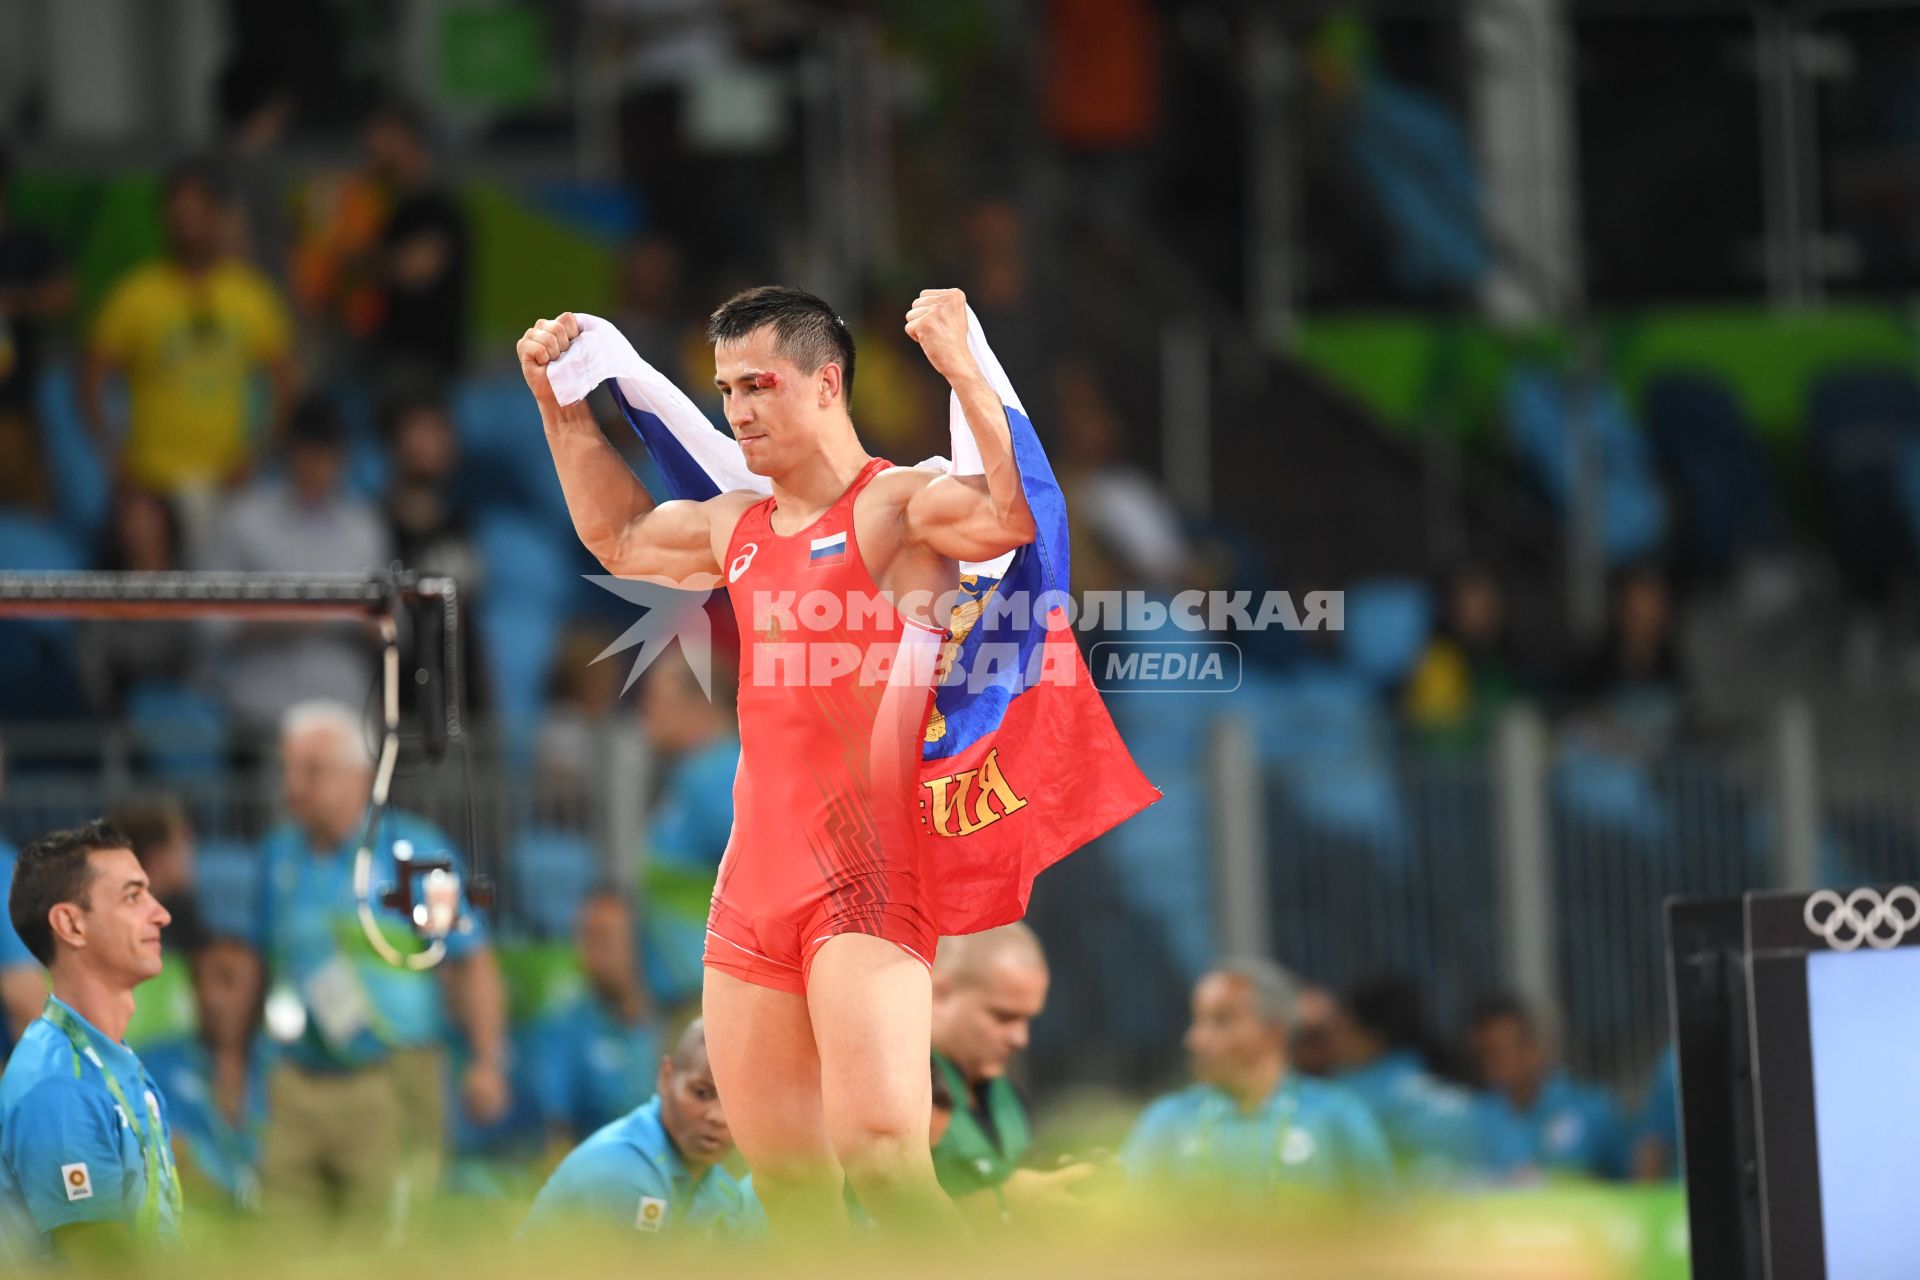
(189, 347)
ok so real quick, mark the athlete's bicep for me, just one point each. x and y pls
(954, 516)
(671, 544)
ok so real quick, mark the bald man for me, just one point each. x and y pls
(987, 990)
(656, 1171)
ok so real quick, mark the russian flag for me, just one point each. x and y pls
(831, 549)
(1021, 763)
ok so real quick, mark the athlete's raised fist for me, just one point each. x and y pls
(938, 322)
(540, 346)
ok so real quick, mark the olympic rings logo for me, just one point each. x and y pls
(1863, 916)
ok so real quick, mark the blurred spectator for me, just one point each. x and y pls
(305, 523)
(35, 293)
(1413, 155)
(1467, 675)
(144, 535)
(1017, 311)
(658, 1169)
(1249, 1125)
(1128, 534)
(1539, 1119)
(1656, 1146)
(422, 251)
(581, 696)
(354, 1106)
(215, 1080)
(23, 983)
(428, 520)
(189, 334)
(697, 744)
(987, 990)
(1102, 82)
(653, 315)
(1629, 688)
(1390, 1057)
(162, 839)
(253, 101)
(1310, 1046)
(596, 1054)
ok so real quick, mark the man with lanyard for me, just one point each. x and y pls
(987, 990)
(215, 1079)
(657, 1170)
(1250, 1126)
(592, 1057)
(1538, 1119)
(356, 1120)
(86, 1166)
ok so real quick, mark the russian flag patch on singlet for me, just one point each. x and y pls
(831, 549)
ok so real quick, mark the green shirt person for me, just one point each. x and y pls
(987, 990)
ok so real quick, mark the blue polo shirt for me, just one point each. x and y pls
(13, 952)
(629, 1176)
(358, 1006)
(225, 1154)
(590, 1068)
(1436, 1134)
(68, 1154)
(1572, 1128)
(1307, 1133)
(687, 833)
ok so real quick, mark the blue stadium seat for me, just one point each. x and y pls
(1388, 623)
(1539, 417)
(228, 872)
(37, 678)
(1861, 424)
(1729, 500)
(550, 869)
(179, 731)
(79, 477)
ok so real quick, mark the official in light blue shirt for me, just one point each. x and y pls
(1252, 1128)
(20, 978)
(358, 1007)
(1539, 1120)
(595, 1058)
(215, 1079)
(657, 1170)
(1431, 1124)
(86, 1164)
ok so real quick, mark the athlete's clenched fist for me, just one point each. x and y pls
(540, 346)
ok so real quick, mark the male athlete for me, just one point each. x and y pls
(817, 995)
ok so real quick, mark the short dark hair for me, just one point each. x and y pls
(248, 85)
(1499, 1007)
(52, 870)
(316, 422)
(805, 329)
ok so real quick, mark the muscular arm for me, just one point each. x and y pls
(967, 517)
(615, 516)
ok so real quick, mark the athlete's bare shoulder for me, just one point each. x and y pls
(723, 515)
(895, 487)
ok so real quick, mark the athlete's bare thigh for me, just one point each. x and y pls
(760, 1043)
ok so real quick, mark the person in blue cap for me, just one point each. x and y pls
(1539, 1120)
(86, 1161)
(657, 1170)
(1249, 1126)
